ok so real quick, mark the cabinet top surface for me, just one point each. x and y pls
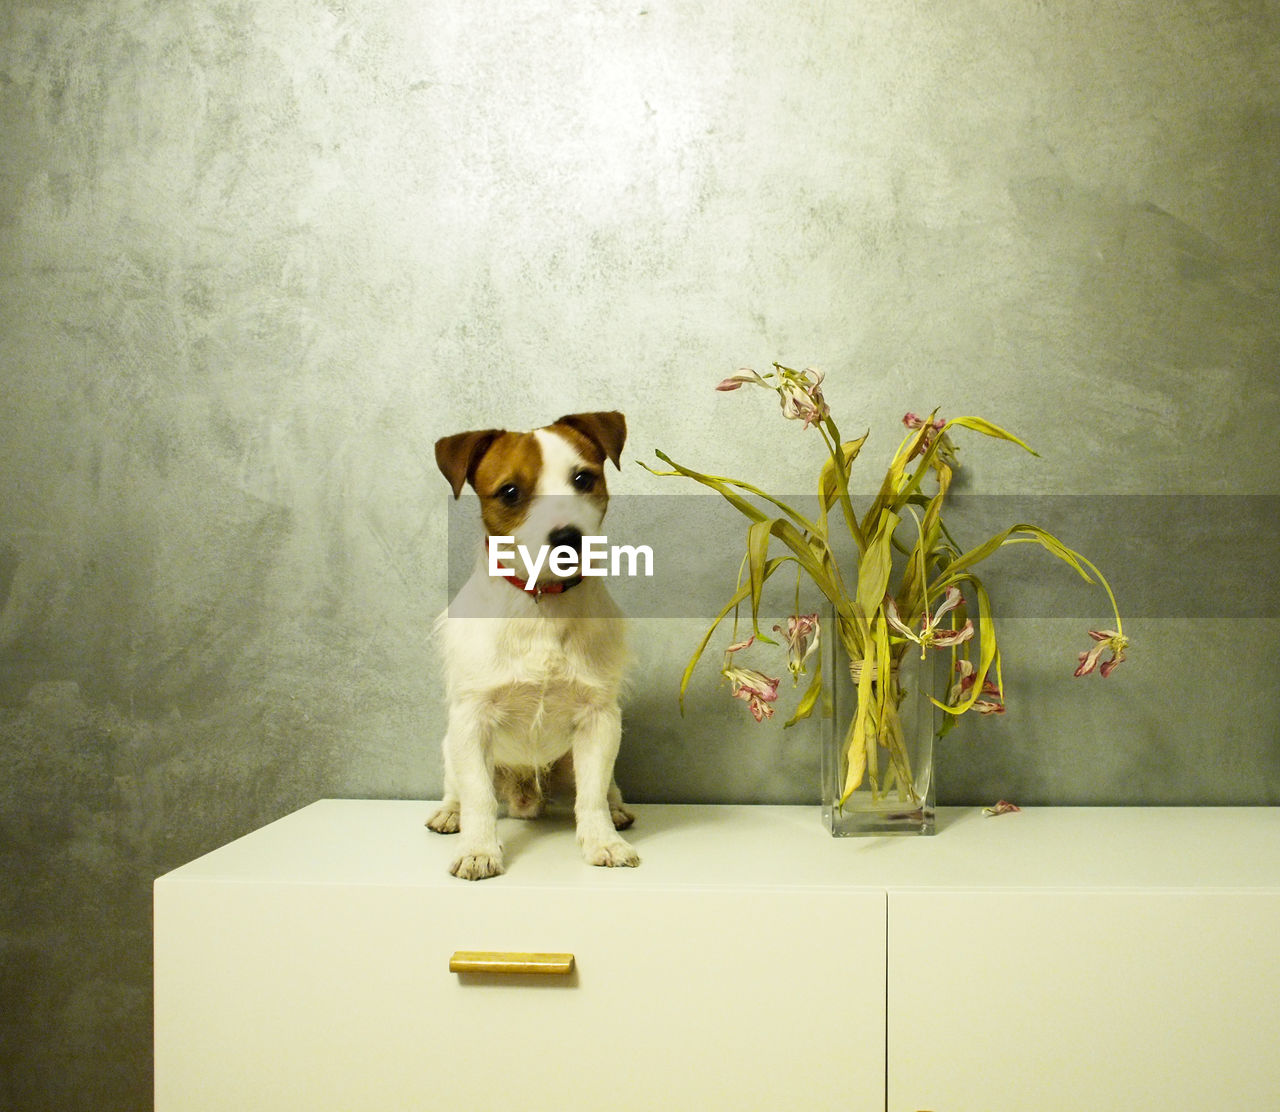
(384, 842)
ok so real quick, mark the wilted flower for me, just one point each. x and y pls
(930, 635)
(801, 396)
(801, 636)
(754, 688)
(946, 450)
(799, 391)
(1106, 639)
(913, 422)
(964, 684)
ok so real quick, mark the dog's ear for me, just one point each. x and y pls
(458, 456)
(607, 431)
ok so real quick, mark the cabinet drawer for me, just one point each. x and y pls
(1066, 1000)
(277, 996)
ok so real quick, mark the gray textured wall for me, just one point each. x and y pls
(256, 256)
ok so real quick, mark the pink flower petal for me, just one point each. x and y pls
(945, 638)
(895, 619)
(1089, 660)
(950, 601)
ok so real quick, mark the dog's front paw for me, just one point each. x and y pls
(622, 818)
(612, 854)
(445, 820)
(477, 866)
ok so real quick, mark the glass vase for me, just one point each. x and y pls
(896, 794)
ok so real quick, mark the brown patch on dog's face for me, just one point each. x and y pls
(506, 479)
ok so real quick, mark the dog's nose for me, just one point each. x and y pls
(565, 536)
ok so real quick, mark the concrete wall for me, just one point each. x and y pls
(255, 257)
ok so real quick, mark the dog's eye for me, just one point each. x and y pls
(509, 493)
(584, 480)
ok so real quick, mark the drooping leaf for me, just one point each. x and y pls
(856, 754)
(877, 564)
(729, 488)
(758, 537)
(833, 481)
(809, 700)
(1021, 533)
(980, 424)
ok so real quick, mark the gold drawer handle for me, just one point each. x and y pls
(489, 961)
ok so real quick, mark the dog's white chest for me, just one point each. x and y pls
(530, 679)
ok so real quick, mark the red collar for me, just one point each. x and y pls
(556, 587)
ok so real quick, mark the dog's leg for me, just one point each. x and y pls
(467, 755)
(446, 819)
(560, 778)
(597, 733)
(622, 818)
(560, 781)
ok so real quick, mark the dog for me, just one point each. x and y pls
(534, 659)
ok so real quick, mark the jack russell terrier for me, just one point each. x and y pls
(534, 657)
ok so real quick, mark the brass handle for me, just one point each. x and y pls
(489, 961)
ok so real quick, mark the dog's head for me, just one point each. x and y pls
(545, 487)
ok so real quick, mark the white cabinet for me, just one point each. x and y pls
(1101, 959)
(1055, 959)
(1059, 1001)
(307, 967)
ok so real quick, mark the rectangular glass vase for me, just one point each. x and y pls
(896, 795)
